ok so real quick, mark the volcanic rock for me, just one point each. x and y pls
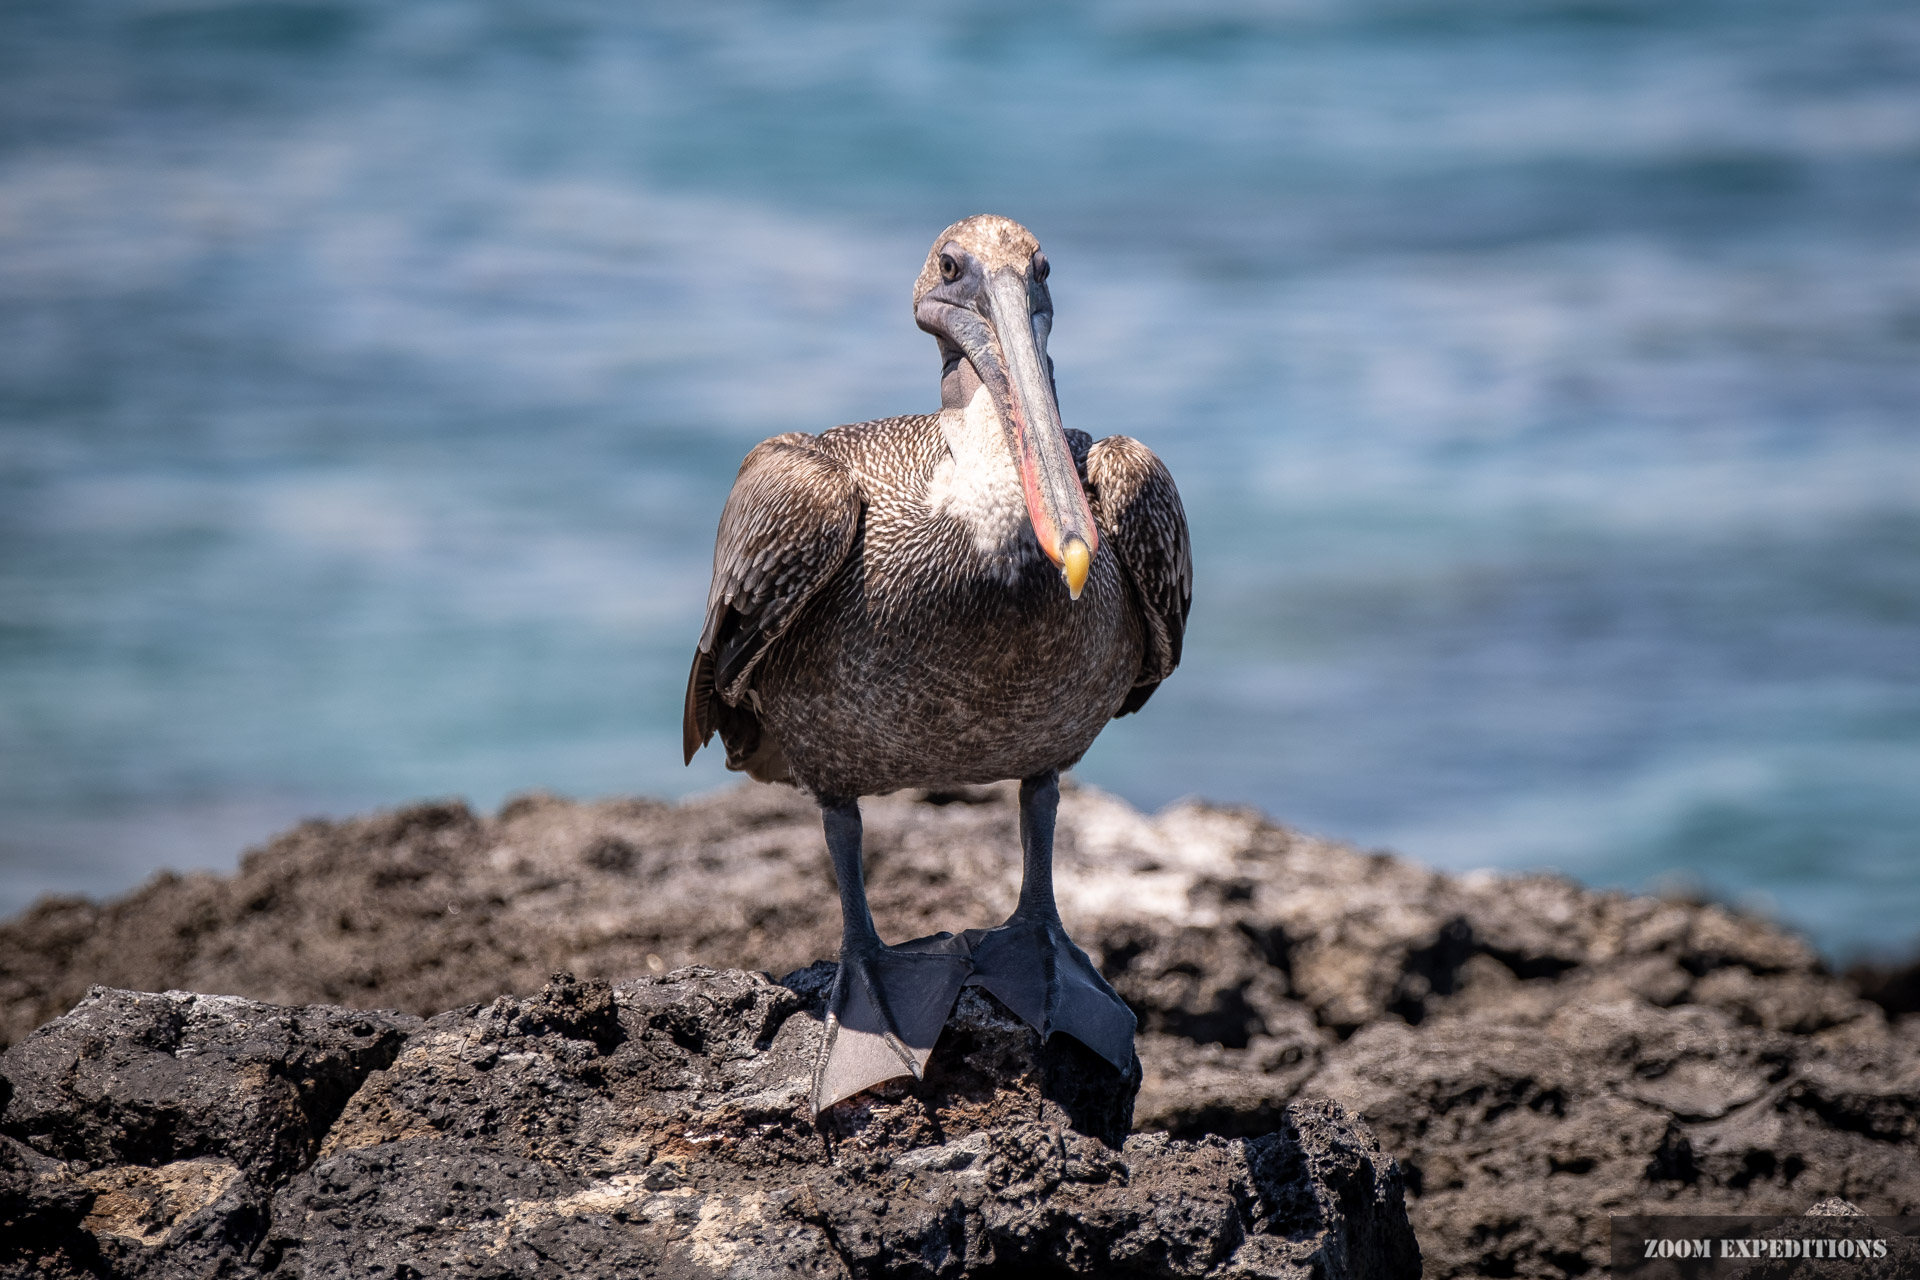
(1536, 1055)
(660, 1127)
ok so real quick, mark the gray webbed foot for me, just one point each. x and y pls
(1035, 969)
(885, 1013)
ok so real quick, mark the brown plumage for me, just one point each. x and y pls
(893, 602)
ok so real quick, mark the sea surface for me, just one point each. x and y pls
(1542, 378)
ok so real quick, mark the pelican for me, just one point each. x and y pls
(945, 599)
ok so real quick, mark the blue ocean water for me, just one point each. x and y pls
(1541, 376)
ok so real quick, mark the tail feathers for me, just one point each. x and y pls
(750, 750)
(1136, 699)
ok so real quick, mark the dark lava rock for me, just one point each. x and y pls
(1535, 1054)
(155, 1126)
(40, 1214)
(131, 1078)
(660, 1127)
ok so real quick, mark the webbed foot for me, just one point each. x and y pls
(1035, 969)
(885, 1013)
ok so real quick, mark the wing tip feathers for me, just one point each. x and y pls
(696, 725)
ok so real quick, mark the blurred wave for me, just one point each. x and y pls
(1540, 377)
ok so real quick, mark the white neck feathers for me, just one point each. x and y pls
(978, 483)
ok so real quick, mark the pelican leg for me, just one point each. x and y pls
(1031, 964)
(888, 1003)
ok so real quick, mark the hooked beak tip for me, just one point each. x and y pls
(1075, 561)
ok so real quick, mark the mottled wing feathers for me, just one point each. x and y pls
(787, 526)
(1140, 517)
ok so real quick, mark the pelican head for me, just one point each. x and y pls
(983, 294)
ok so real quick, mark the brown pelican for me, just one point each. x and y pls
(945, 599)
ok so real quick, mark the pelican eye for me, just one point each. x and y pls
(1040, 265)
(949, 269)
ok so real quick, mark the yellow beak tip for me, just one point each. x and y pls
(1075, 561)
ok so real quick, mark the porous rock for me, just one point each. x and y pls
(147, 1126)
(1536, 1054)
(660, 1127)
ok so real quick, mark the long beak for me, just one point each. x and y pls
(1005, 352)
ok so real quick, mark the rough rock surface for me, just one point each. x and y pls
(660, 1127)
(1536, 1055)
(152, 1124)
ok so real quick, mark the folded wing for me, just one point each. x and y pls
(787, 527)
(1140, 517)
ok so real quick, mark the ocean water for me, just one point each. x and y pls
(1542, 378)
